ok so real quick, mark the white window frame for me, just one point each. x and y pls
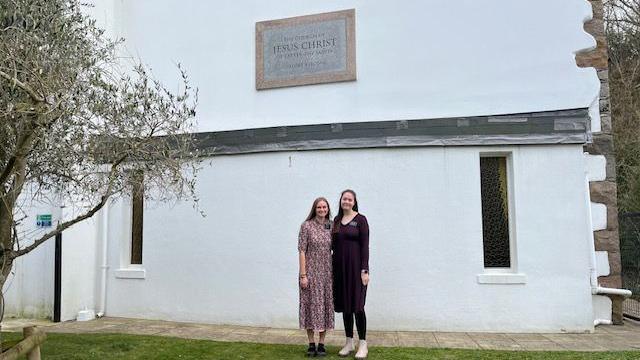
(127, 270)
(506, 275)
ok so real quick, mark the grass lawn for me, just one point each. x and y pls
(119, 346)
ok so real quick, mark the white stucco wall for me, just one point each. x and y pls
(415, 59)
(601, 307)
(80, 268)
(28, 291)
(239, 264)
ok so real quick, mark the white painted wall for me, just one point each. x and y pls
(239, 264)
(598, 216)
(602, 263)
(28, 291)
(596, 167)
(415, 59)
(80, 268)
(601, 307)
(595, 170)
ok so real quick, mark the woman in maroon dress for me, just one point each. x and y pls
(316, 290)
(350, 243)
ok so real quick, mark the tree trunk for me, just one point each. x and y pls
(6, 243)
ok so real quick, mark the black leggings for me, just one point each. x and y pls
(361, 324)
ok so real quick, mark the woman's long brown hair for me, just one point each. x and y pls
(312, 213)
(337, 221)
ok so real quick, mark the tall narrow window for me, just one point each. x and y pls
(495, 211)
(137, 198)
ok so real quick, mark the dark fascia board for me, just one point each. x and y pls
(570, 126)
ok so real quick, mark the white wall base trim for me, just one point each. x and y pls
(517, 278)
(130, 273)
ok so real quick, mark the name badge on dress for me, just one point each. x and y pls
(353, 223)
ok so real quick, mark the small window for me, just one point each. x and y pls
(495, 211)
(137, 202)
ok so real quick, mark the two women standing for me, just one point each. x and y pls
(334, 281)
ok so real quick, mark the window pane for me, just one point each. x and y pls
(495, 211)
(136, 228)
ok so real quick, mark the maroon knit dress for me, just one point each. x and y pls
(350, 245)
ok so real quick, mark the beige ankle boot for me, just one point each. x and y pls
(363, 351)
(347, 349)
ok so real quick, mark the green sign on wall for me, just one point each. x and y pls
(43, 220)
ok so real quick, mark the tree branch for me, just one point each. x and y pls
(7, 170)
(61, 227)
(34, 95)
(65, 225)
(21, 151)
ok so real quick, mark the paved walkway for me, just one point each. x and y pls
(625, 337)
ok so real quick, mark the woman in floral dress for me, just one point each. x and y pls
(316, 289)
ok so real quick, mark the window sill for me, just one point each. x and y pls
(514, 278)
(130, 273)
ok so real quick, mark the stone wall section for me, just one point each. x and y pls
(604, 190)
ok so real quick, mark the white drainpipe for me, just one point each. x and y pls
(104, 267)
(597, 322)
(595, 289)
(592, 247)
(613, 291)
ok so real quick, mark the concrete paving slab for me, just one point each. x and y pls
(452, 336)
(382, 338)
(540, 345)
(450, 344)
(196, 333)
(137, 329)
(614, 338)
(417, 339)
(499, 345)
(525, 337)
(12, 324)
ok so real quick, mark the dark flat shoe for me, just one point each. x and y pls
(321, 350)
(311, 351)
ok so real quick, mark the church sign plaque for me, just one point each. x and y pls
(305, 50)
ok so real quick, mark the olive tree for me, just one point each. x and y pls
(79, 121)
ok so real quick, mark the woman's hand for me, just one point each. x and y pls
(365, 278)
(304, 282)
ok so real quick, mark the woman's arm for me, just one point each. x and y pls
(302, 249)
(364, 250)
(304, 281)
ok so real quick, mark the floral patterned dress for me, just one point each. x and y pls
(316, 301)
